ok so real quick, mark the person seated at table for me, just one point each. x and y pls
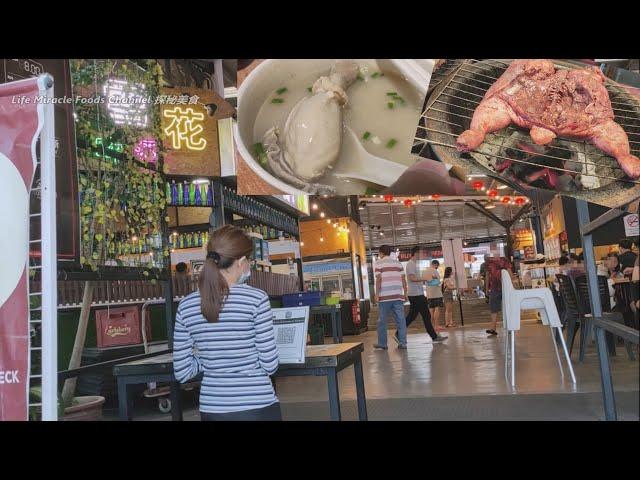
(564, 264)
(225, 329)
(626, 257)
(613, 266)
(575, 267)
(614, 273)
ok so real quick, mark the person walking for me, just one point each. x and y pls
(225, 330)
(494, 285)
(417, 300)
(391, 288)
(448, 287)
(434, 293)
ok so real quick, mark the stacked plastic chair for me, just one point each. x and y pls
(539, 299)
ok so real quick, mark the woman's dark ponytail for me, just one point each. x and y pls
(226, 245)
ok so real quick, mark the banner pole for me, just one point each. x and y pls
(49, 258)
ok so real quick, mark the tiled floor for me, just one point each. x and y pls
(469, 364)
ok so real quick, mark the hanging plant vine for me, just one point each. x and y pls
(122, 199)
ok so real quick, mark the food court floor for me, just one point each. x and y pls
(460, 379)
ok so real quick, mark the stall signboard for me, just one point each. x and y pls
(405, 254)
(189, 119)
(67, 208)
(522, 237)
(631, 227)
(326, 267)
(553, 218)
(20, 124)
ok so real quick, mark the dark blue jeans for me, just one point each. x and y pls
(271, 413)
(395, 307)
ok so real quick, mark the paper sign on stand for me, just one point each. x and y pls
(290, 327)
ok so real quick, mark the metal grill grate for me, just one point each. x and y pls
(450, 109)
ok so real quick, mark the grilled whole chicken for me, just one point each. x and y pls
(552, 103)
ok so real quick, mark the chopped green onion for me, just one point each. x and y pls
(390, 104)
(260, 152)
(392, 94)
(277, 100)
(366, 135)
(258, 149)
(391, 143)
(309, 89)
(399, 98)
(375, 75)
(359, 77)
(280, 91)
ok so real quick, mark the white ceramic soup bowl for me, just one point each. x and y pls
(254, 91)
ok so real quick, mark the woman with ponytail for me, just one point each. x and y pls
(226, 331)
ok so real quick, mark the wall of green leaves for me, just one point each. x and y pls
(122, 199)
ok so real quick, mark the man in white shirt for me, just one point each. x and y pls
(417, 300)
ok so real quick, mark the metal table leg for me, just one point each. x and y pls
(334, 394)
(336, 325)
(605, 376)
(360, 394)
(124, 402)
(176, 402)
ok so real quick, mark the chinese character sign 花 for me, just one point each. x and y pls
(185, 128)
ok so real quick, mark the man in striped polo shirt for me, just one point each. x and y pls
(391, 288)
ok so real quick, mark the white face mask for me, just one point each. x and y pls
(244, 276)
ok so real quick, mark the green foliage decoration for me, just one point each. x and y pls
(122, 200)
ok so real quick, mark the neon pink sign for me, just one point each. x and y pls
(146, 150)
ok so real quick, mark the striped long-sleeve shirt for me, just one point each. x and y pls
(237, 353)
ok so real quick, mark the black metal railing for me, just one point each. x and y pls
(630, 335)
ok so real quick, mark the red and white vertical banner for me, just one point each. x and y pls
(21, 119)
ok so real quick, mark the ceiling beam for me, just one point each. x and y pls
(523, 211)
(478, 207)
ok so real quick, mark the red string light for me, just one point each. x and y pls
(505, 199)
(388, 198)
(493, 193)
(477, 185)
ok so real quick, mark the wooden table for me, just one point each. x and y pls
(321, 360)
(328, 360)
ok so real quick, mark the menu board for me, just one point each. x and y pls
(68, 227)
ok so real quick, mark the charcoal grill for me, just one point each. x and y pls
(448, 112)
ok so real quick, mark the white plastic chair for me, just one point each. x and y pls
(539, 299)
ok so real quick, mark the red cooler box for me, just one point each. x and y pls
(119, 326)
